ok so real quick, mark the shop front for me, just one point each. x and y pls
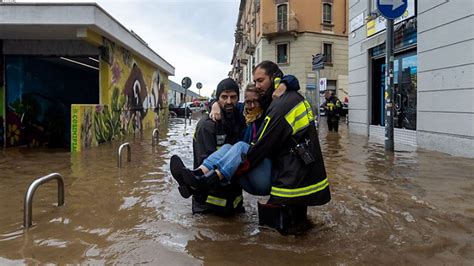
(405, 79)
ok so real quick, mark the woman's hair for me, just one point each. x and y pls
(271, 69)
(251, 88)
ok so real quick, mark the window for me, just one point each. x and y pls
(327, 51)
(282, 17)
(327, 13)
(282, 53)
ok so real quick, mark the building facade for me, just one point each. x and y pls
(433, 74)
(71, 76)
(289, 32)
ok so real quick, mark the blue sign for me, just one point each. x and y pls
(392, 9)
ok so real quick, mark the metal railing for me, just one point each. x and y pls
(119, 154)
(276, 27)
(155, 136)
(28, 204)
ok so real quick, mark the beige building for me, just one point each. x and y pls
(289, 32)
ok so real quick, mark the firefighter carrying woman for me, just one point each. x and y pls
(268, 146)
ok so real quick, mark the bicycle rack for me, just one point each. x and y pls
(28, 204)
(155, 136)
(119, 154)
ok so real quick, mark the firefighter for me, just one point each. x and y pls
(333, 109)
(208, 137)
(289, 139)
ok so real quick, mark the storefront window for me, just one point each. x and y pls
(405, 91)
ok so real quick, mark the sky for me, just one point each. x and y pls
(195, 36)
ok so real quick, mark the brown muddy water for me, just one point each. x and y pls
(410, 207)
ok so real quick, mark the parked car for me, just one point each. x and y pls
(180, 110)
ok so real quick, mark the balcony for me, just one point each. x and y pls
(276, 28)
(238, 34)
(249, 47)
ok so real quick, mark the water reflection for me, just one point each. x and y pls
(415, 203)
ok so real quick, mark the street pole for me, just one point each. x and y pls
(316, 65)
(186, 83)
(318, 100)
(389, 144)
(185, 108)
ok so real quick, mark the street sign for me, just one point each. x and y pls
(392, 9)
(323, 82)
(318, 62)
(199, 85)
(186, 83)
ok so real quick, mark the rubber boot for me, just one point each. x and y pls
(176, 167)
(288, 220)
(203, 182)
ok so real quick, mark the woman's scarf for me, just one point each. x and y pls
(251, 116)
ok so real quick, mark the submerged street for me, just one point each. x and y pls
(415, 203)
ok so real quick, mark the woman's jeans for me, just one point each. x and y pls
(228, 158)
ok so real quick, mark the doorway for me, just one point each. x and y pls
(405, 91)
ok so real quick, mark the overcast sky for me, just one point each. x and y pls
(195, 36)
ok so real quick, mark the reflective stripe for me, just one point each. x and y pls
(308, 108)
(330, 106)
(299, 192)
(299, 117)
(216, 201)
(237, 201)
(266, 122)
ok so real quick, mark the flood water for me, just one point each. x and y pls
(410, 207)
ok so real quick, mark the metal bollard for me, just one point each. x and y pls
(28, 204)
(154, 136)
(119, 154)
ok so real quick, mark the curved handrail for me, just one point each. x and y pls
(119, 154)
(28, 204)
(155, 136)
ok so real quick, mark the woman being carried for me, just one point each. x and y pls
(220, 166)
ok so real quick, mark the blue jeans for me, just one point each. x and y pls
(228, 158)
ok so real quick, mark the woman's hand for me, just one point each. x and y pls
(279, 91)
(215, 114)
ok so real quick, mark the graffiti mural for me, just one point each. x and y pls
(135, 99)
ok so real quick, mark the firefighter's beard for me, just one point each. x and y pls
(266, 99)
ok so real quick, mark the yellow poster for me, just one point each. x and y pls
(75, 128)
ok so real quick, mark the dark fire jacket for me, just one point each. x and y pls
(288, 122)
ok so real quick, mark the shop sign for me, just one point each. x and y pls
(356, 22)
(378, 24)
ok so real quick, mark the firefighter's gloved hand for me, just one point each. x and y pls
(244, 167)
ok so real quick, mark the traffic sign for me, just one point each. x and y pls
(392, 9)
(186, 82)
(323, 84)
(318, 62)
(199, 85)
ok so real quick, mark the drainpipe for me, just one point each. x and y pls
(345, 17)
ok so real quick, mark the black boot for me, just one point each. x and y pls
(176, 167)
(202, 182)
